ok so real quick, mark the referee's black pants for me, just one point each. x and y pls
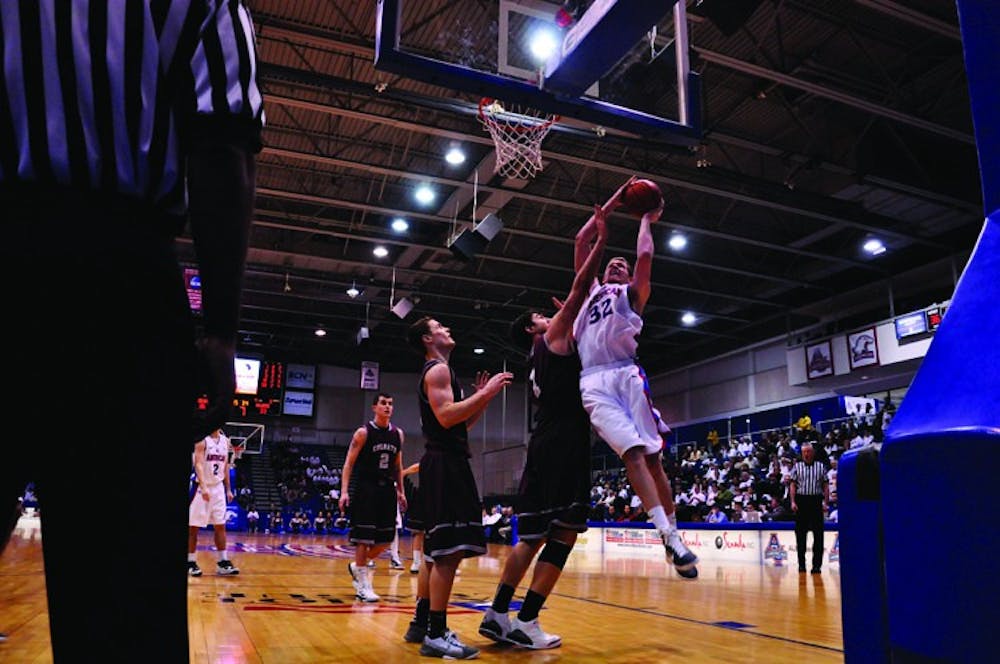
(809, 518)
(98, 392)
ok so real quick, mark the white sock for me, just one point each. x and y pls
(659, 519)
(222, 555)
(672, 518)
(418, 557)
(193, 557)
(394, 549)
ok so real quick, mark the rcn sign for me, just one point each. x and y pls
(300, 376)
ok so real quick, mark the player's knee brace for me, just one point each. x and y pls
(555, 553)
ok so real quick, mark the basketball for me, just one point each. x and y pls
(641, 196)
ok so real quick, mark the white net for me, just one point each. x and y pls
(244, 437)
(517, 133)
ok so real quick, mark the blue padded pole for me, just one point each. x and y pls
(940, 529)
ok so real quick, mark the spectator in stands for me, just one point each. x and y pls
(804, 423)
(505, 526)
(716, 515)
(319, 523)
(276, 522)
(253, 520)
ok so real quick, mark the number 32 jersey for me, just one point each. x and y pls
(606, 329)
(377, 459)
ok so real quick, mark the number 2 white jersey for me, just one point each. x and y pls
(216, 455)
(606, 329)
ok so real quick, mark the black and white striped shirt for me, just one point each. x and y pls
(105, 94)
(809, 478)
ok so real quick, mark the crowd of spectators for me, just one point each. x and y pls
(744, 478)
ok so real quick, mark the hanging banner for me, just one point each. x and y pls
(369, 375)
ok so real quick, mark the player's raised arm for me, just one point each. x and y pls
(639, 288)
(449, 412)
(585, 236)
(561, 326)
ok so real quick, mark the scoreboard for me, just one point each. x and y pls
(269, 397)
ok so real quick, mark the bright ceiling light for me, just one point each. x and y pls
(353, 291)
(677, 241)
(874, 246)
(455, 156)
(400, 225)
(320, 332)
(380, 251)
(478, 351)
(543, 44)
(689, 318)
(424, 195)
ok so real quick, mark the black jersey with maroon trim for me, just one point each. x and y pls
(455, 439)
(377, 459)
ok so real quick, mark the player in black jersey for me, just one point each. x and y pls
(375, 460)
(554, 495)
(451, 507)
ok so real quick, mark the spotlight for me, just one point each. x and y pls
(874, 246)
(478, 351)
(677, 241)
(455, 156)
(424, 195)
(543, 44)
(380, 251)
(400, 225)
(320, 332)
(689, 318)
(353, 291)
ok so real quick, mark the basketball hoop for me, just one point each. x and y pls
(517, 132)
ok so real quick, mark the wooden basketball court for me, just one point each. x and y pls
(293, 602)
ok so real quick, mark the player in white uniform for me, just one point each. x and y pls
(208, 505)
(614, 387)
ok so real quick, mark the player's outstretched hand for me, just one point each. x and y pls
(653, 216)
(616, 198)
(601, 221)
(498, 382)
(482, 377)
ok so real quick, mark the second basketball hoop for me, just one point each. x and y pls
(517, 133)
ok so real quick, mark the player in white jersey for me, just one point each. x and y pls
(614, 387)
(208, 505)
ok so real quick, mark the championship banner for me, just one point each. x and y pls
(369, 375)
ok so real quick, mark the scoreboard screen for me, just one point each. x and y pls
(263, 399)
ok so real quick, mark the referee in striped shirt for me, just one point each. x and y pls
(121, 121)
(809, 491)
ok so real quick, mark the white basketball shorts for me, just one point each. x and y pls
(203, 512)
(620, 409)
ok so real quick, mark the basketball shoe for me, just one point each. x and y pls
(193, 569)
(226, 568)
(396, 563)
(679, 555)
(366, 593)
(530, 635)
(447, 646)
(415, 567)
(415, 632)
(495, 626)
